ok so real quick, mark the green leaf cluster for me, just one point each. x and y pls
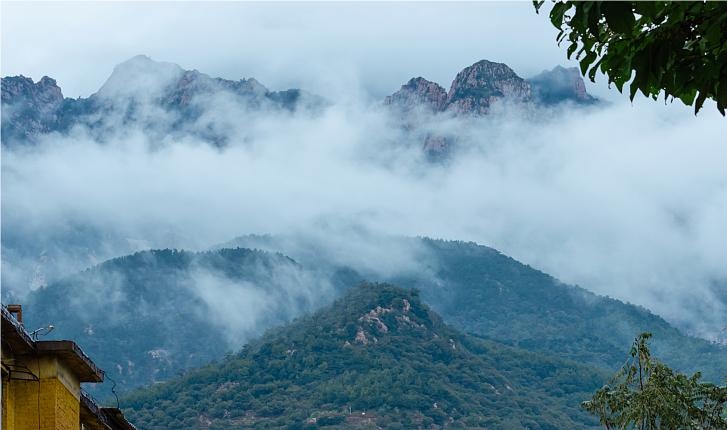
(678, 48)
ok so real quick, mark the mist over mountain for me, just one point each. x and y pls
(149, 316)
(146, 317)
(163, 157)
(139, 91)
(356, 216)
(483, 88)
(142, 91)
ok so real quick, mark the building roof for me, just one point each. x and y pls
(98, 418)
(69, 351)
(14, 335)
(91, 415)
(20, 342)
(116, 417)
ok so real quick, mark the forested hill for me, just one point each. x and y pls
(481, 291)
(376, 357)
(493, 295)
(148, 316)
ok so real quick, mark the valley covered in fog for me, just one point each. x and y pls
(155, 161)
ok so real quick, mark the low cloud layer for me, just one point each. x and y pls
(627, 201)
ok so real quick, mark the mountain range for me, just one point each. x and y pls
(289, 332)
(148, 316)
(139, 90)
(477, 89)
(165, 99)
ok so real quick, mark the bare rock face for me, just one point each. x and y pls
(418, 93)
(560, 85)
(475, 91)
(30, 107)
(478, 87)
(21, 89)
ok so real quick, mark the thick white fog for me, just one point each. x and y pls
(626, 200)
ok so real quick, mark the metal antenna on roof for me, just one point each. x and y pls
(38, 332)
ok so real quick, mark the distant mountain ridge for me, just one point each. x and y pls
(478, 88)
(32, 109)
(164, 98)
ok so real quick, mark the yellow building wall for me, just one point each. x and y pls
(8, 404)
(48, 404)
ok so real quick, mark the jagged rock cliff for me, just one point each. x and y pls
(476, 91)
(479, 87)
(417, 93)
(30, 107)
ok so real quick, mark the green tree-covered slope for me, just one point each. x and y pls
(375, 357)
(151, 315)
(148, 316)
(490, 294)
(481, 291)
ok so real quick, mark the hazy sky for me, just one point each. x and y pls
(376, 46)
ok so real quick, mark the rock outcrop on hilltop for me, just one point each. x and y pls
(375, 358)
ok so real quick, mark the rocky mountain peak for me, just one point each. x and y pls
(137, 91)
(478, 86)
(28, 107)
(21, 89)
(419, 92)
(560, 84)
(140, 77)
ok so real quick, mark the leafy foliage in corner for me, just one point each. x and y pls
(674, 47)
(646, 394)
